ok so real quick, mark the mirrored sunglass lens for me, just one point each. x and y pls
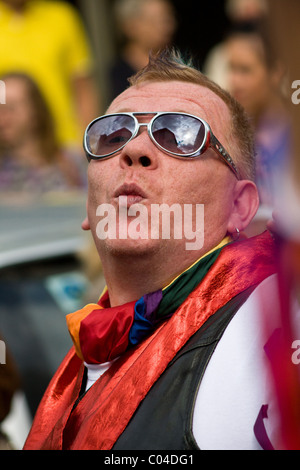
(178, 133)
(109, 134)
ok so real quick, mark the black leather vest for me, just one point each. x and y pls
(163, 420)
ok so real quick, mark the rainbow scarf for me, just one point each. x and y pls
(101, 333)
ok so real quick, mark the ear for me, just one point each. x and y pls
(85, 225)
(244, 205)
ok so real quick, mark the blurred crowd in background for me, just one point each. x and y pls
(51, 72)
(62, 62)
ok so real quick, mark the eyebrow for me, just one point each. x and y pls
(126, 110)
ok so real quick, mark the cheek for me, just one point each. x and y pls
(259, 83)
(182, 182)
(194, 182)
(99, 178)
(211, 185)
(96, 189)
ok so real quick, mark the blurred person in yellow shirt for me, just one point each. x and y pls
(47, 40)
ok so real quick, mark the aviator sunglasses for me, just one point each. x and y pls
(178, 134)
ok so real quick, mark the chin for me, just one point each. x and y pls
(129, 247)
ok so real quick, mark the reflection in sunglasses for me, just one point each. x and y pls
(176, 133)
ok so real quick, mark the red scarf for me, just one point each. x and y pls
(103, 413)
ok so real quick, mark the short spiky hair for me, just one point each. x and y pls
(168, 65)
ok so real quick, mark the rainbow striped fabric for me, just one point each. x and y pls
(100, 332)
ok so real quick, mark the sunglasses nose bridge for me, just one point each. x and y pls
(140, 124)
(138, 129)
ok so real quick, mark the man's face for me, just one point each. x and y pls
(148, 176)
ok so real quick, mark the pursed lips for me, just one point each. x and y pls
(133, 193)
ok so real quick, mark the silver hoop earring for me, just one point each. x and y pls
(236, 235)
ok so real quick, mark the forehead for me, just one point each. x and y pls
(245, 46)
(174, 96)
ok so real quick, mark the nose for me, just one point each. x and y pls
(140, 151)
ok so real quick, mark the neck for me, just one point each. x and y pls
(273, 107)
(130, 277)
(136, 55)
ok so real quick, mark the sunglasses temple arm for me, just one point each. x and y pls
(216, 145)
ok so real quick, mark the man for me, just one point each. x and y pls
(171, 356)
